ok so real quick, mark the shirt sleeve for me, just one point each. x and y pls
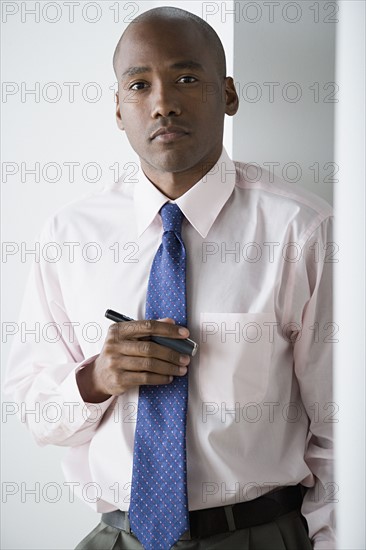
(43, 363)
(313, 369)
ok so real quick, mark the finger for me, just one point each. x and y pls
(151, 350)
(133, 379)
(139, 329)
(152, 365)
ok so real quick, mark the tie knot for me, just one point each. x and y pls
(172, 217)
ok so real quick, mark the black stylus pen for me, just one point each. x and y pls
(186, 346)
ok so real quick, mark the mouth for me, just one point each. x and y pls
(167, 134)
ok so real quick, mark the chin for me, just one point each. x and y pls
(173, 161)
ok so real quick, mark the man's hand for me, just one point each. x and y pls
(127, 361)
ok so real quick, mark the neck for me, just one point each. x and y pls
(175, 184)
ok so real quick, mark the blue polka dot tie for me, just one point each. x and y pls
(159, 509)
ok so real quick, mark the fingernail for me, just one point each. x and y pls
(184, 359)
(183, 331)
(183, 370)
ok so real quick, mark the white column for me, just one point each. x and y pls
(350, 275)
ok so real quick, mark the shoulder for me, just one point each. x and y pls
(85, 212)
(286, 204)
(254, 177)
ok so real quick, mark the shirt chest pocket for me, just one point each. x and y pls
(235, 356)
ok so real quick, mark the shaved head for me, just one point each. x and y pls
(173, 95)
(177, 15)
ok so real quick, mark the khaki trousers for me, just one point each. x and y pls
(288, 532)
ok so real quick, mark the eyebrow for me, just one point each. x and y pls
(132, 71)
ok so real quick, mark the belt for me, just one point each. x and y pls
(213, 521)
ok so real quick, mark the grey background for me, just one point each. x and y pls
(279, 68)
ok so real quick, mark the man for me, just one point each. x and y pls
(257, 301)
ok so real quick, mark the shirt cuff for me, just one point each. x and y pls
(80, 411)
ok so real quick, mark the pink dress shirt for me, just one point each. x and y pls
(260, 409)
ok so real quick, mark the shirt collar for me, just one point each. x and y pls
(200, 205)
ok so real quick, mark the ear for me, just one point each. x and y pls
(231, 97)
(118, 113)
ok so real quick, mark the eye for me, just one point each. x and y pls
(137, 86)
(187, 79)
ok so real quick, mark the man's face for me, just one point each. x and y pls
(168, 81)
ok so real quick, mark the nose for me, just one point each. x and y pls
(165, 101)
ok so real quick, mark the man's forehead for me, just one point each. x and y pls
(187, 64)
(177, 49)
(161, 44)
